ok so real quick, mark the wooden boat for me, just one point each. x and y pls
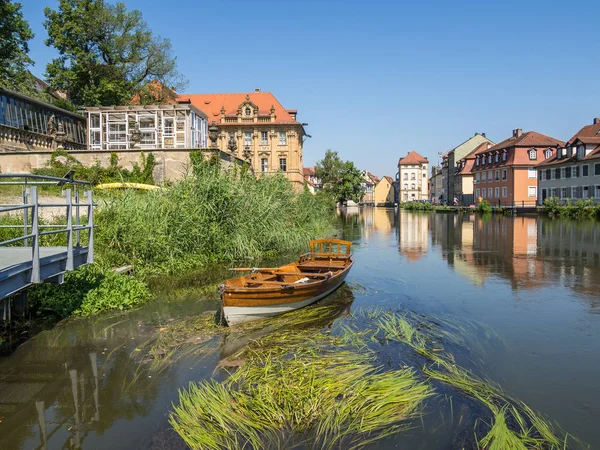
(268, 292)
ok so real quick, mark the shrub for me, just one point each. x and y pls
(114, 292)
(484, 207)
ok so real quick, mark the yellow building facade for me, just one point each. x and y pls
(383, 194)
(256, 127)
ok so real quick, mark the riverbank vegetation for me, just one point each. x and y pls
(424, 206)
(307, 378)
(576, 209)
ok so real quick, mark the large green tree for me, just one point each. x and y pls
(15, 33)
(340, 178)
(107, 54)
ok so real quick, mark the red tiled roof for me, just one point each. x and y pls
(587, 131)
(466, 170)
(211, 104)
(373, 178)
(527, 139)
(308, 171)
(588, 140)
(412, 158)
(389, 179)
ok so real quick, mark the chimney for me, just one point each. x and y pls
(483, 134)
(596, 121)
(256, 89)
(518, 132)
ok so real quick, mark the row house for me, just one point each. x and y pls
(412, 177)
(454, 157)
(573, 170)
(463, 177)
(369, 183)
(384, 192)
(435, 184)
(505, 173)
(256, 127)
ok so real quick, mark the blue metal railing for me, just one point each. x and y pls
(31, 211)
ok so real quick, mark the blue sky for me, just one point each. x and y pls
(377, 79)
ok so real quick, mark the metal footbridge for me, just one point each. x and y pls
(35, 249)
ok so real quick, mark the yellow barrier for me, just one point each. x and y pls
(146, 187)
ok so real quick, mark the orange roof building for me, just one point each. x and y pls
(255, 126)
(505, 173)
(572, 171)
(413, 182)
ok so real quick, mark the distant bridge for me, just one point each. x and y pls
(24, 260)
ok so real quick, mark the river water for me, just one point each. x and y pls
(534, 281)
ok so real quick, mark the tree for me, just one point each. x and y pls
(341, 179)
(15, 33)
(107, 54)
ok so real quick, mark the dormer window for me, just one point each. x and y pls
(504, 156)
(248, 112)
(533, 154)
(489, 159)
(496, 157)
(548, 153)
(477, 161)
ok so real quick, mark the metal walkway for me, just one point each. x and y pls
(24, 260)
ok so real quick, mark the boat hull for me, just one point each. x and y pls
(240, 314)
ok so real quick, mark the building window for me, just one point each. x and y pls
(483, 193)
(248, 112)
(490, 192)
(477, 177)
(504, 174)
(496, 157)
(567, 172)
(264, 138)
(548, 174)
(497, 192)
(406, 176)
(557, 173)
(282, 138)
(248, 138)
(541, 175)
(264, 165)
(585, 170)
(532, 191)
(477, 193)
(586, 192)
(477, 161)
(489, 159)
(531, 173)
(533, 154)
(575, 172)
(596, 169)
(283, 164)
(548, 153)
(565, 192)
(497, 174)
(412, 176)
(412, 186)
(504, 192)
(504, 156)
(406, 186)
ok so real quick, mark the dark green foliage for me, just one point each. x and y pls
(210, 215)
(579, 209)
(417, 206)
(61, 162)
(15, 33)
(107, 54)
(484, 207)
(87, 290)
(342, 180)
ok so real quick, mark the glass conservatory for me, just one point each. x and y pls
(146, 127)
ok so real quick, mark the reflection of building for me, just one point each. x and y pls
(413, 234)
(505, 173)
(146, 127)
(380, 220)
(384, 192)
(573, 171)
(454, 157)
(412, 171)
(256, 126)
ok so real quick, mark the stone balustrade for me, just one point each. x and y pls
(16, 139)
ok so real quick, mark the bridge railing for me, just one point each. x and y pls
(33, 230)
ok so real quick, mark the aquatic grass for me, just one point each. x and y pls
(330, 398)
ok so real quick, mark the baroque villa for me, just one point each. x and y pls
(256, 127)
(413, 181)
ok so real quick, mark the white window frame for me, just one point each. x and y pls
(490, 192)
(504, 156)
(264, 165)
(247, 138)
(532, 154)
(531, 172)
(497, 192)
(504, 191)
(548, 153)
(283, 164)
(264, 138)
(477, 192)
(282, 138)
(95, 144)
(532, 191)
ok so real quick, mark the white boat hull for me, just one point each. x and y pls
(240, 314)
